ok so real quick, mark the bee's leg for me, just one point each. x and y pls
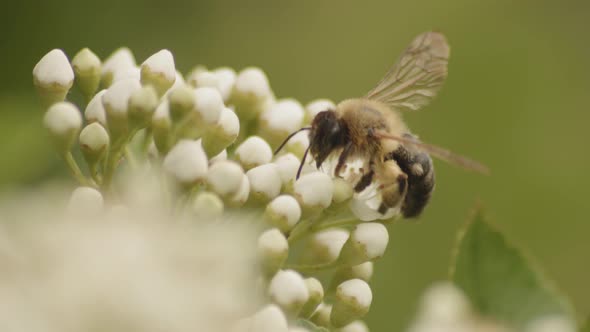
(394, 185)
(366, 179)
(342, 159)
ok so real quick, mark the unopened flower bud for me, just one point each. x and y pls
(63, 121)
(265, 182)
(313, 108)
(218, 157)
(367, 242)
(186, 163)
(251, 93)
(321, 317)
(182, 102)
(223, 134)
(283, 212)
(287, 289)
(87, 67)
(142, 105)
(243, 193)
(207, 206)
(53, 77)
(158, 71)
(116, 104)
(362, 271)
(208, 104)
(162, 127)
(298, 144)
(281, 119)
(287, 165)
(443, 303)
(225, 178)
(356, 326)
(226, 78)
(269, 319)
(116, 66)
(254, 151)
(314, 191)
(325, 246)
(342, 190)
(94, 143)
(353, 300)
(95, 109)
(273, 250)
(85, 202)
(316, 296)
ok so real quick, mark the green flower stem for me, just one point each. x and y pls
(145, 142)
(300, 230)
(130, 158)
(75, 170)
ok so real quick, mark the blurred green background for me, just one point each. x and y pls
(516, 99)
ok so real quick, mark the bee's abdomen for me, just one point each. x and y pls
(418, 167)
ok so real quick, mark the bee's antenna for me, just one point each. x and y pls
(289, 137)
(302, 162)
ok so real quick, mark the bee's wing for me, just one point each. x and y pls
(440, 153)
(417, 76)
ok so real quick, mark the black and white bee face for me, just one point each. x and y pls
(327, 134)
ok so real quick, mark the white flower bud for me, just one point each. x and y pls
(94, 143)
(218, 157)
(186, 162)
(118, 63)
(316, 295)
(182, 102)
(343, 190)
(287, 165)
(225, 177)
(158, 71)
(325, 246)
(552, 323)
(273, 250)
(254, 151)
(87, 67)
(362, 271)
(287, 289)
(314, 190)
(226, 77)
(191, 77)
(367, 242)
(356, 326)
(298, 144)
(251, 93)
(367, 209)
(223, 134)
(53, 77)
(116, 103)
(208, 104)
(265, 182)
(207, 206)
(95, 110)
(85, 202)
(142, 105)
(162, 127)
(313, 108)
(321, 317)
(353, 300)
(205, 78)
(243, 193)
(444, 304)
(283, 212)
(269, 319)
(63, 121)
(133, 73)
(281, 119)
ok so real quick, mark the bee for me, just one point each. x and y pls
(371, 129)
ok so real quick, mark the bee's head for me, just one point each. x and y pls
(327, 133)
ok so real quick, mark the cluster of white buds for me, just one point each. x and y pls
(210, 138)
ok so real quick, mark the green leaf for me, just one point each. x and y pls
(499, 281)
(310, 326)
